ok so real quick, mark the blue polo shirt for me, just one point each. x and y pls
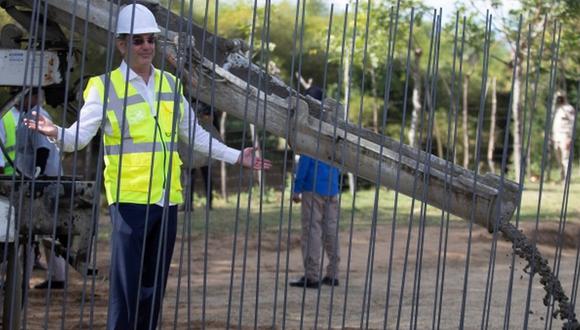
(326, 183)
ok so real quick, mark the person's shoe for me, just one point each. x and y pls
(53, 285)
(92, 271)
(330, 281)
(304, 282)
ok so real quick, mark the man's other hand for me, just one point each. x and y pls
(249, 159)
(41, 124)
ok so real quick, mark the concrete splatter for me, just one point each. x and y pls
(539, 265)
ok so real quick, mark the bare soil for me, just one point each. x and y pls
(267, 301)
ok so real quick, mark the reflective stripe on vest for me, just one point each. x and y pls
(138, 144)
(9, 123)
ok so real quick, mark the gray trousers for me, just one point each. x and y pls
(319, 228)
(562, 148)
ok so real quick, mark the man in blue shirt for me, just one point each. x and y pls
(316, 186)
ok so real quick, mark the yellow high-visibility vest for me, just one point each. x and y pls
(146, 149)
(9, 123)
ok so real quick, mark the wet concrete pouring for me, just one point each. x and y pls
(539, 265)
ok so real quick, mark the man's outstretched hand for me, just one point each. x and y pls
(249, 159)
(41, 124)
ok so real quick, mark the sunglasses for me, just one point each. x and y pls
(138, 41)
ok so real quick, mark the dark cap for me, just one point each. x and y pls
(315, 91)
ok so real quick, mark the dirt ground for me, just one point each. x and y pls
(311, 308)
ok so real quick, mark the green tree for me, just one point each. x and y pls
(537, 14)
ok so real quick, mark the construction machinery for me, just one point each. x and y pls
(35, 207)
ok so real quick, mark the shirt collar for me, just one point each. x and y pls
(133, 75)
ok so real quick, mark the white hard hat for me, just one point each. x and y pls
(141, 17)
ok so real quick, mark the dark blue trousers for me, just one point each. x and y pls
(134, 306)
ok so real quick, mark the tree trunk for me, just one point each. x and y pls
(223, 167)
(516, 114)
(437, 136)
(465, 128)
(416, 99)
(373, 104)
(452, 124)
(550, 146)
(491, 142)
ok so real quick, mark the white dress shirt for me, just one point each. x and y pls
(563, 123)
(91, 116)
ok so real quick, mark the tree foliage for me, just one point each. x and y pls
(295, 37)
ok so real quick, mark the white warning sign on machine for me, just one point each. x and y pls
(15, 64)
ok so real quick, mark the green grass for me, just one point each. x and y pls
(269, 214)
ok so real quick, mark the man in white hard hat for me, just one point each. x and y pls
(562, 129)
(142, 166)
